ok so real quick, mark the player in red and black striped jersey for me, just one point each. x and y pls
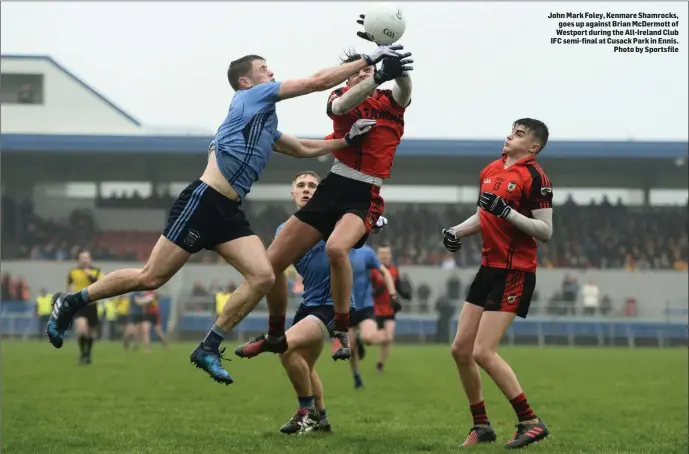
(515, 210)
(348, 204)
(385, 307)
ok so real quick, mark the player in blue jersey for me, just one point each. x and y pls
(312, 324)
(363, 261)
(208, 215)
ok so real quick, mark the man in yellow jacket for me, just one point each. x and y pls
(44, 307)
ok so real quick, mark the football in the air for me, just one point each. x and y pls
(385, 23)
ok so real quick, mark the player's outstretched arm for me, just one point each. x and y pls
(308, 148)
(401, 90)
(330, 77)
(392, 69)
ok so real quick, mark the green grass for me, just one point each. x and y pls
(594, 401)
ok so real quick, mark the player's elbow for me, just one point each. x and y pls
(338, 108)
(546, 236)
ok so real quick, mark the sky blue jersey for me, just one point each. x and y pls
(363, 261)
(245, 139)
(314, 268)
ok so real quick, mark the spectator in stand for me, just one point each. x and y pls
(590, 298)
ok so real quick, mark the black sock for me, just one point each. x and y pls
(89, 345)
(82, 345)
(80, 299)
(322, 414)
(214, 337)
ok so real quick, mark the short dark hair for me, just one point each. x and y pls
(240, 68)
(535, 127)
(384, 246)
(307, 172)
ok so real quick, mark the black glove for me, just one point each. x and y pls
(395, 303)
(363, 35)
(494, 204)
(393, 68)
(451, 242)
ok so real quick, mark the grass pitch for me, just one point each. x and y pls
(593, 400)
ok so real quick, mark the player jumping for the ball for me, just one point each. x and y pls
(207, 214)
(348, 202)
(312, 323)
(515, 209)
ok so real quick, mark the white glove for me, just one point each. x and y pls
(380, 223)
(391, 50)
(358, 129)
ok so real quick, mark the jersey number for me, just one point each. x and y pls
(496, 186)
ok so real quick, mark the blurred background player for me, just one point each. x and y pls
(155, 319)
(44, 307)
(312, 324)
(142, 318)
(385, 306)
(347, 206)
(364, 261)
(86, 321)
(208, 215)
(515, 210)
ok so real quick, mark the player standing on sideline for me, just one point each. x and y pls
(208, 215)
(348, 204)
(86, 320)
(364, 261)
(385, 307)
(515, 209)
(312, 323)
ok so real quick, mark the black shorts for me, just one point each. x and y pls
(122, 319)
(381, 319)
(140, 318)
(503, 290)
(202, 218)
(356, 317)
(90, 313)
(337, 196)
(325, 314)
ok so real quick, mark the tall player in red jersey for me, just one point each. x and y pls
(515, 210)
(347, 205)
(385, 308)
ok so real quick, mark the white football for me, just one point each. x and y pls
(385, 23)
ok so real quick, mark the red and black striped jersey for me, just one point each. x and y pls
(374, 154)
(525, 187)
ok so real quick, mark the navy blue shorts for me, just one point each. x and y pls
(325, 314)
(202, 218)
(356, 317)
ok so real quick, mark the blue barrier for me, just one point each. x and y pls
(408, 325)
(16, 317)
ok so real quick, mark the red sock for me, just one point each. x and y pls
(276, 325)
(342, 322)
(478, 412)
(522, 408)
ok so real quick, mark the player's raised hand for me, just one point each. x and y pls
(450, 240)
(358, 129)
(393, 68)
(381, 52)
(494, 204)
(363, 35)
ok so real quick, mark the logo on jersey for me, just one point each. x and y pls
(486, 180)
(546, 190)
(512, 299)
(192, 237)
(511, 186)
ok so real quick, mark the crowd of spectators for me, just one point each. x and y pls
(606, 236)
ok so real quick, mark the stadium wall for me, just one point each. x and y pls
(655, 291)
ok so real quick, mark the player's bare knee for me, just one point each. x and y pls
(337, 253)
(262, 281)
(462, 354)
(482, 355)
(150, 279)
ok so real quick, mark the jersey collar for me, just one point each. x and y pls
(522, 161)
